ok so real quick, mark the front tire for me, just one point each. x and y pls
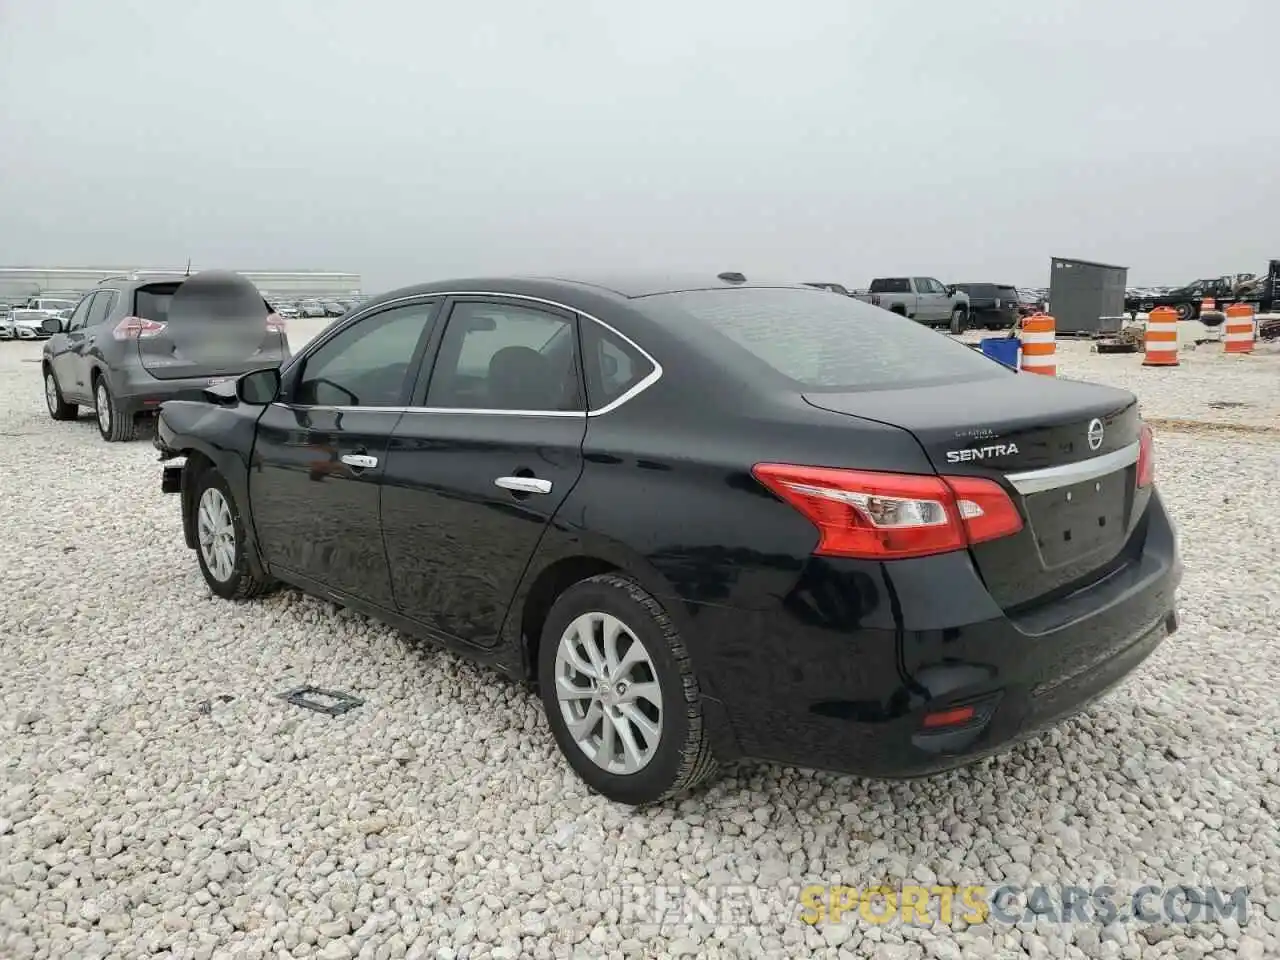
(115, 425)
(620, 693)
(959, 320)
(59, 409)
(220, 541)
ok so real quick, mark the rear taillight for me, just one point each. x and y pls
(1146, 458)
(275, 323)
(136, 328)
(885, 516)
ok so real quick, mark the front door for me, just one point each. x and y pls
(321, 451)
(68, 353)
(475, 473)
(933, 305)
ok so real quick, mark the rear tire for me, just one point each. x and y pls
(114, 425)
(59, 409)
(670, 749)
(220, 541)
(1186, 311)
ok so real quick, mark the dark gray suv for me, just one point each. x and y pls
(122, 353)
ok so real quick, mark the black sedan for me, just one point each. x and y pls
(708, 520)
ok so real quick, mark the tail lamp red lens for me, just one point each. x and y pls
(954, 717)
(1146, 458)
(137, 328)
(885, 516)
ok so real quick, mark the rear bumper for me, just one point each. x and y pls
(137, 392)
(840, 672)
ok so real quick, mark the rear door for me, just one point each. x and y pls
(478, 467)
(89, 348)
(199, 343)
(321, 451)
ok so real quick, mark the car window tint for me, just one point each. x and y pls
(891, 285)
(824, 342)
(103, 301)
(81, 311)
(612, 365)
(499, 356)
(366, 365)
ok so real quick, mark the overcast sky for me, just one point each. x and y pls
(809, 140)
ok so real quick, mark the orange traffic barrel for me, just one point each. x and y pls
(1238, 333)
(1161, 341)
(1208, 304)
(1039, 345)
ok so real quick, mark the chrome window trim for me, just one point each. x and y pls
(644, 384)
(1050, 478)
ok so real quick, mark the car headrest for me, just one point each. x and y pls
(520, 378)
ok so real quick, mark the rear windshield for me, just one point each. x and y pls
(891, 285)
(821, 342)
(978, 289)
(152, 301)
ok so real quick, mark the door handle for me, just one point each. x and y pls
(523, 484)
(359, 461)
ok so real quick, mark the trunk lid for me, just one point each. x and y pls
(213, 325)
(1066, 452)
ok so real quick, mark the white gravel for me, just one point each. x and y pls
(157, 798)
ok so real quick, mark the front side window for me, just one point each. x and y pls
(367, 364)
(103, 301)
(81, 311)
(501, 356)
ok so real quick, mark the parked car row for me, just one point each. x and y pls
(707, 519)
(311, 308)
(956, 306)
(25, 321)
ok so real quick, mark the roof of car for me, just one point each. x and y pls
(629, 285)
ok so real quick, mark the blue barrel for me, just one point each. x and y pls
(1002, 349)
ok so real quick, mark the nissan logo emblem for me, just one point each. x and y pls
(1095, 434)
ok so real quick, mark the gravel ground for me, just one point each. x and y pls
(158, 798)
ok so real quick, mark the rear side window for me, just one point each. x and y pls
(820, 342)
(891, 285)
(612, 366)
(1007, 293)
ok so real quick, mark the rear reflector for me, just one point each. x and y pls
(136, 328)
(948, 718)
(1146, 458)
(887, 516)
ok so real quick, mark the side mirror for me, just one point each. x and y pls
(951, 290)
(259, 387)
(52, 325)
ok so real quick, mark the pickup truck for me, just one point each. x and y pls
(923, 299)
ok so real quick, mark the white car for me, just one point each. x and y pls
(29, 324)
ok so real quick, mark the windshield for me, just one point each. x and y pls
(830, 343)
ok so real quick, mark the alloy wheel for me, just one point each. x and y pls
(103, 403)
(217, 534)
(608, 692)
(51, 392)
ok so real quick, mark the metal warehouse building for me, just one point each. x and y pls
(19, 283)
